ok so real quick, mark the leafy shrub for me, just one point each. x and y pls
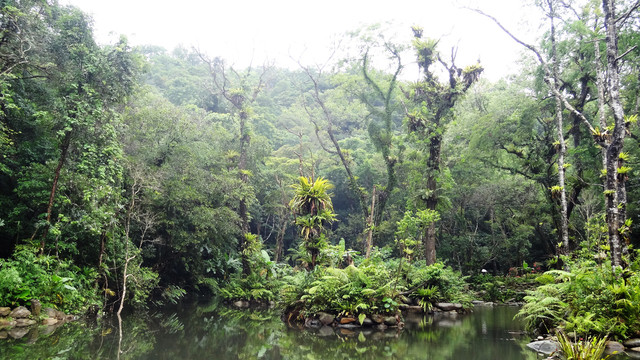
(451, 285)
(264, 280)
(588, 299)
(53, 281)
(351, 290)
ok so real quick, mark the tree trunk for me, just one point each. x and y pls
(314, 257)
(245, 140)
(616, 197)
(280, 241)
(433, 170)
(562, 148)
(370, 224)
(64, 147)
(580, 185)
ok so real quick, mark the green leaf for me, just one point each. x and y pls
(361, 318)
(361, 337)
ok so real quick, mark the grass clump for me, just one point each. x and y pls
(588, 349)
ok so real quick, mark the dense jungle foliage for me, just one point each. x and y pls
(345, 186)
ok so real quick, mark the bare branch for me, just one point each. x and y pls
(626, 15)
(626, 52)
(548, 73)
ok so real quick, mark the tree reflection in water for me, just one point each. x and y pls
(217, 332)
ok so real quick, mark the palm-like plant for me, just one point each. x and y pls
(313, 209)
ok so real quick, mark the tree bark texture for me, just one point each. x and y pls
(616, 196)
(562, 148)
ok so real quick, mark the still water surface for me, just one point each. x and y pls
(214, 332)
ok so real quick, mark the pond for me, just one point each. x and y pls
(217, 332)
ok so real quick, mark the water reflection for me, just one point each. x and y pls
(215, 332)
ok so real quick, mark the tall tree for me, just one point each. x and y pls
(382, 109)
(240, 89)
(612, 143)
(431, 104)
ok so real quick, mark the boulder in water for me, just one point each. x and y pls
(448, 306)
(546, 347)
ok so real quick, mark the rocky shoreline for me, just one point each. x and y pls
(294, 317)
(16, 323)
(550, 347)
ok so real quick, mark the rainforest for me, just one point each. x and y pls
(348, 192)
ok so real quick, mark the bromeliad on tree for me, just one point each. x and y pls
(313, 209)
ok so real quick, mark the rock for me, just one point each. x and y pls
(4, 311)
(377, 318)
(49, 312)
(403, 307)
(53, 313)
(632, 343)
(7, 323)
(367, 322)
(18, 332)
(3, 334)
(545, 346)
(49, 321)
(312, 323)
(614, 346)
(24, 322)
(381, 327)
(390, 321)
(35, 307)
(325, 318)
(70, 318)
(540, 338)
(20, 312)
(347, 320)
(448, 306)
(241, 304)
(636, 349)
(326, 331)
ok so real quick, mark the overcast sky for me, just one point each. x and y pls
(240, 30)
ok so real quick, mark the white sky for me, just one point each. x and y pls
(241, 30)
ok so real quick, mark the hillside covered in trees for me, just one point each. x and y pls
(132, 175)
